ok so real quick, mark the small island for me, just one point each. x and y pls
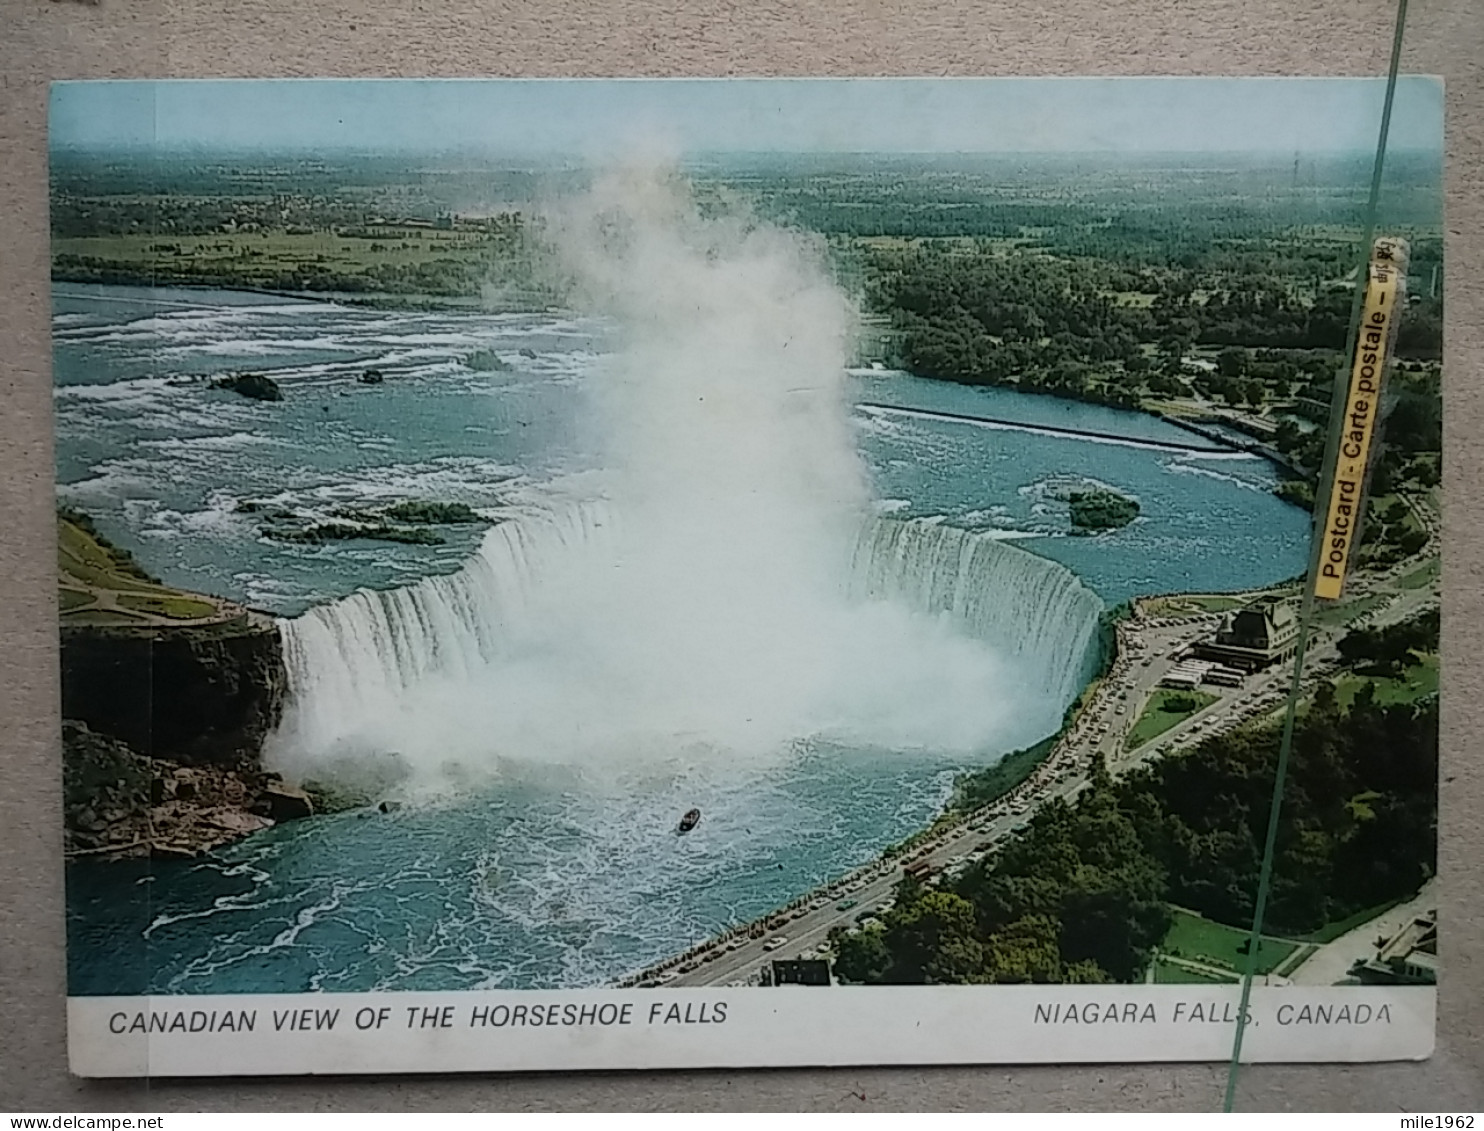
(315, 534)
(407, 522)
(487, 361)
(254, 386)
(1101, 510)
(432, 513)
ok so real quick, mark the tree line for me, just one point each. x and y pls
(997, 319)
(1083, 893)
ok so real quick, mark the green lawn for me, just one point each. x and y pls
(1421, 576)
(89, 568)
(176, 608)
(1170, 407)
(81, 557)
(1417, 682)
(1347, 611)
(1167, 973)
(1157, 717)
(1194, 603)
(72, 599)
(1214, 944)
(277, 251)
(1215, 604)
(398, 262)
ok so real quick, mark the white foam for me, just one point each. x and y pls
(1184, 467)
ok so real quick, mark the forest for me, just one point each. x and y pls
(1092, 330)
(1085, 892)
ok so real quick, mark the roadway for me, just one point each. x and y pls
(1331, 963)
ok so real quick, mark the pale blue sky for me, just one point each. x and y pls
(588, 118)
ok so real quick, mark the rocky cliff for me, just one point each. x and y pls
(119, 804)
(167, 696)
(193, 694)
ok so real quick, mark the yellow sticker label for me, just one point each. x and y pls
(1361, 406)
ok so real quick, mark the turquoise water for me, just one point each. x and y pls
(557, 880)
(1208, 519)
(560, 875)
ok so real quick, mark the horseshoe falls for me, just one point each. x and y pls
(415, 672)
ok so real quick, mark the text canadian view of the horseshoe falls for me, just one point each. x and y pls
(637, 536)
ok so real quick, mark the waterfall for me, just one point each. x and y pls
(371, 648)
(365, 664)
(1030, 607)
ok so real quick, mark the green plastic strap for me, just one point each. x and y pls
(1306, 615)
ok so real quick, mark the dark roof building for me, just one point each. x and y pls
(802, 972)
(1254, 637)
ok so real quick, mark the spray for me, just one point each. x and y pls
(698, 608)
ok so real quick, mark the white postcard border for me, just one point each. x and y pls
(789, 1026)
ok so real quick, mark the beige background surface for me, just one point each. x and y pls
(46, 39)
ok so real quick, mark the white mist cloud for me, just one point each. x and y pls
(701, 612)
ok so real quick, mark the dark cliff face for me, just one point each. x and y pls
(192, 695)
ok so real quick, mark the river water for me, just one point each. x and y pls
(566, 871)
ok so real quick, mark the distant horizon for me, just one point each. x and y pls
(589, 120)
(203, 149)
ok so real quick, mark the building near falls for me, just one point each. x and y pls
(1253, 637)
(1189, 674)
(1407, 958)
(801, 972)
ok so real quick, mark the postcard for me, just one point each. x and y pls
(639, 574)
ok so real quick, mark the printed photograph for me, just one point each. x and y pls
(532, 535)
